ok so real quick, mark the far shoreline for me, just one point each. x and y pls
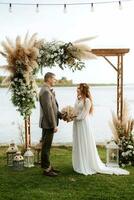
(75, 85)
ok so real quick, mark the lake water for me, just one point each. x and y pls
(104, 103)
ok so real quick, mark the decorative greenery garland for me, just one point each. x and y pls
(58, 53)
(23, 95)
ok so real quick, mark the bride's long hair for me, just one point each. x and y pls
(85, 92)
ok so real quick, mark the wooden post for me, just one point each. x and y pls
(27, 132)
(26, 138)
(120, 87)
(122, 100)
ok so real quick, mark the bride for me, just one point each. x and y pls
(85, 157)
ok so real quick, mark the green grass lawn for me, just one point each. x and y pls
(30, 184)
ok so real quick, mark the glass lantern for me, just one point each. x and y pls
(28, 158)
(11, 152)
(37, 152)
(18, 162)
(112, 152)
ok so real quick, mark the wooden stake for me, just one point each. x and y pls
(27, 132)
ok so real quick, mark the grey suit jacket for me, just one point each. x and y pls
(48, 108)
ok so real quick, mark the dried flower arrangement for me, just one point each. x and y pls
(123, 135)
(69, 113)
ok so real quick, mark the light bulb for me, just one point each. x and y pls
(120, 5)
(92, 7)
(37, 8)
(65, 8)
(10, 7)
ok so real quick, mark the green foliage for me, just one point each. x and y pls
(55, 53)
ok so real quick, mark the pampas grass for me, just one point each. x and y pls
(81, 51)
(124, 127)
(84, 39)
(22, 54)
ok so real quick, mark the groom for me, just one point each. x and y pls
(49, 119)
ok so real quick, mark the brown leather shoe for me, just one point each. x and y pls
(50, 173)
(55, 170)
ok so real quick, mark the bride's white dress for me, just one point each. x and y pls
(85, 157)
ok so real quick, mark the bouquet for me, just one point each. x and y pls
(68, 113)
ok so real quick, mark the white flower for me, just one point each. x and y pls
(53, 48)
(123, 154)
(130, 146)
(41, 52)
(48, 56)
(52, 56)
(128, 152)
(55, 54)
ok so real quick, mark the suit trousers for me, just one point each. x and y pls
(47, 138)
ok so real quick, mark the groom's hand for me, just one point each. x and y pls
(64, 116)
(60, 115)
(55, 130)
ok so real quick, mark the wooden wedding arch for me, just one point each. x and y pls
(105, 53)
(118, 53)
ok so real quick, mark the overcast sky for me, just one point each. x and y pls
(113, 27)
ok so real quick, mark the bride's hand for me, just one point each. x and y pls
(55, 129)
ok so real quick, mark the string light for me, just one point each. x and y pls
(65, 5)
(37, 8)
(10, 7)
(65, 8)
